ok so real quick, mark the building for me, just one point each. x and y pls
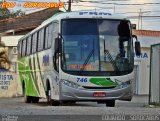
(24, 24)
(142, 63)
(10, 31)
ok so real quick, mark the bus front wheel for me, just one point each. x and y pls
(110, 103)
(50, 100)
(54, 103)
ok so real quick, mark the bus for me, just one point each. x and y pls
(78, 56)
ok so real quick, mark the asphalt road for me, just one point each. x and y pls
(16, 110)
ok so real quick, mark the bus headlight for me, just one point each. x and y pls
(70, 84)
(125, 84)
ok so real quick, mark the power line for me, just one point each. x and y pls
(138, 12)
(99, 2)
(95, 6)
(63, 6)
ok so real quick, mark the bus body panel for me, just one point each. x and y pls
(93, 84)
(34, 70)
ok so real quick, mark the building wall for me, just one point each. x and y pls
(9, 78)
(9, 85)
(143, 63)
(147, 39)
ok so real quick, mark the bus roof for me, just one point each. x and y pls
(78, 14)
(83, 14)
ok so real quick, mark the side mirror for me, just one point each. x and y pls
(137, 46)
(57, 44)
(133, 26)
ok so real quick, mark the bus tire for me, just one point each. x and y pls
(110, 103)
(73, 102)
(54, 103)
(50, 100)
(35, 99)
(27, 99)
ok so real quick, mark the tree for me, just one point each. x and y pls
(5, 63)
(5, 13)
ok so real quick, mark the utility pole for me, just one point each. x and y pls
(69, 5)
(139, 19)
(114, 9)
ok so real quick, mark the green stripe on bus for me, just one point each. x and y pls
(106, 82)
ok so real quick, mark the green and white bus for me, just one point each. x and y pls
(78, 56)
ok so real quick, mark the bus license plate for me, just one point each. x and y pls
(99, 94)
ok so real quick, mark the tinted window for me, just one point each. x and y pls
(24, 48)
(34, 42)
(19, 49)
(40, 40)
(29, 45)
(48, 36)
(84, 27)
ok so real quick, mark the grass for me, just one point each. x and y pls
(153, 105)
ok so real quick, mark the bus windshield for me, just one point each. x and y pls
(96, 47)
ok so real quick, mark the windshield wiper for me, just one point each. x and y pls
(86, 61)
(109, 57)
(111, 60)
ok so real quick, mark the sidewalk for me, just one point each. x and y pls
(140, 98)
(136, 102)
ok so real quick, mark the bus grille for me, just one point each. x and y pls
(87, 87)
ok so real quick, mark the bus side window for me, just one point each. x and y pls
(41, 39)
(56, 54)
(34, 42)
(29, 45)
(46, 37)
(24, 48)
(20, 49)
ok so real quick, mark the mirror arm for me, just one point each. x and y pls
(135, 36)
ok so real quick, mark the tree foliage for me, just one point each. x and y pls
(5, 13)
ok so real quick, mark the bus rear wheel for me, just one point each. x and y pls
(27, 99)
(35, 99)
(110, 103)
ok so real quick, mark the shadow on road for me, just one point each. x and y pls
(137, 101)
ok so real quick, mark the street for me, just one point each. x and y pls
(91, 110)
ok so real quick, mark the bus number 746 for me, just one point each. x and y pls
(82, 80)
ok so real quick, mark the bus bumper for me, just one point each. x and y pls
(82, 94)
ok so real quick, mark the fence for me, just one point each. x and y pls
(154, 86)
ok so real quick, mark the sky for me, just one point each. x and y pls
(149, 9)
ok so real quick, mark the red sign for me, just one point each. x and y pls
(99, 94)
